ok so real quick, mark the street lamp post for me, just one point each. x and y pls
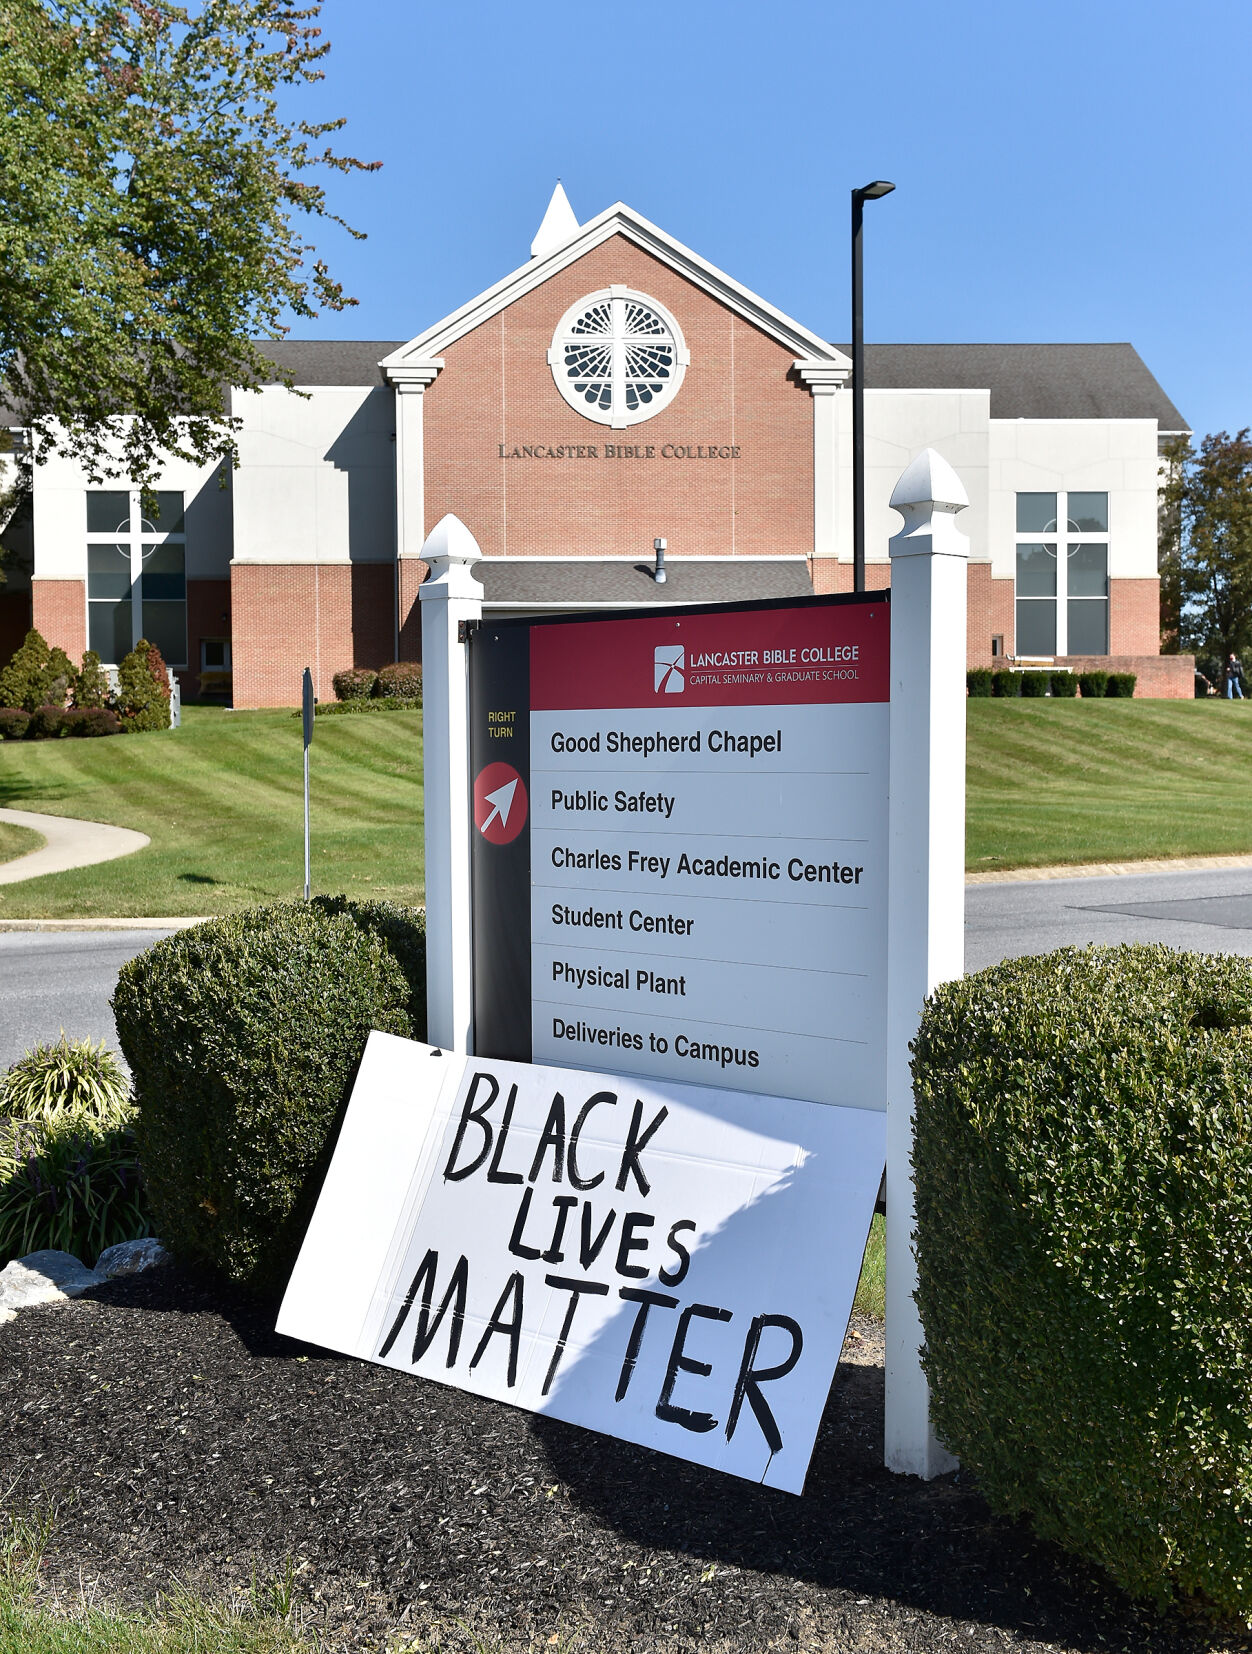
(869, 192)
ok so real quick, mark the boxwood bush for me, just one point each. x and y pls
(1093, 685)
(243, 1036)
(1083, 1158)
(14, 722)
(1006, 684)
(1035, 684)
(1064, 685)
(354, 684)
(978, 681)
(401, 680)
(1121, 685)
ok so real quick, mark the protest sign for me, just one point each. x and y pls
(670, 1264)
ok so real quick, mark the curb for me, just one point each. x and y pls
(1106, 869)
(101, 924)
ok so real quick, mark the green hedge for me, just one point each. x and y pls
(328, 709)
(244, 1035)
(1035, 684)
(1083, 1158)
(1093, 685)
(1006, 684)
(978, 681)
(1121, 685)
(1064, 685)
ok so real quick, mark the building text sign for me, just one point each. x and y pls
(672, 1265)
(680, 845)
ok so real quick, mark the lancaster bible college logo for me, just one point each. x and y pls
(669, 665)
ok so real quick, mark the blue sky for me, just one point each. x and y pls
(1068, 171)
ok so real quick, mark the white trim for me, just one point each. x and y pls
(592, 557)
(617, 416)
(618, 219)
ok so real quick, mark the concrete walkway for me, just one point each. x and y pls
(68, 844)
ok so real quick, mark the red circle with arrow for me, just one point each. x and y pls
(500, 803)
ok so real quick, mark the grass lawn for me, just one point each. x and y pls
(17, 841)
(1080, 781)
(222, 801)
(1049, 781)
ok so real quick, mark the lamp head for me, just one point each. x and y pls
(874, 191)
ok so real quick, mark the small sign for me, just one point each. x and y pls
(669, 1264)
(307, 706)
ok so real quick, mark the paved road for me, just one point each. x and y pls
(54, 980)
(1207, 912)
(50, 981)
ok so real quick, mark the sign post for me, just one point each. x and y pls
(307, 715)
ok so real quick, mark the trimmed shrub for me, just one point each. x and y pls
(1093, 685)
(47, 723)
(337, 708)
(91, 687)
(1006, 685)
(401, 680)
(71, 1078)
(1064, 685)
(30, 678)
(978, 681)
(143, 689)
(93, 720)
(1121, 685)
(70, 1187)
(14, 723)
(402, 931)
(354, 685)
(244, 1035)
(1035, 684)
(1083, 1158)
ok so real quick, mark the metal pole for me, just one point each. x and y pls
(858, 398)
(307, 700)
(306, 824)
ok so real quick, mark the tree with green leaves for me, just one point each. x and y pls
(154, 196)
(1206, 562)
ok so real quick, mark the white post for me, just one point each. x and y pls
(450, 597)
(926, 889)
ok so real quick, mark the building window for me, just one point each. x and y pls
(136, 575)
(618, 357)
(1062, 581)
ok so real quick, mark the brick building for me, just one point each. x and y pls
(614, 389)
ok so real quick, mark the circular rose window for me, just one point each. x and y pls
(618, 357)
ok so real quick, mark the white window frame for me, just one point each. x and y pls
(617, 416)
(136, 541)
(1063, 542)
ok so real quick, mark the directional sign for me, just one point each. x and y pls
(699, 892)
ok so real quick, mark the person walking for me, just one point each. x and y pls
(1234, 678)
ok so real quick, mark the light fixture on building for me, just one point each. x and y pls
(658, 546)
(868, 192)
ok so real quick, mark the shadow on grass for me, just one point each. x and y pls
(17, 792)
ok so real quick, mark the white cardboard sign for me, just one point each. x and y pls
(670, 1264)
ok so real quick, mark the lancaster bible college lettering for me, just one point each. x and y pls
(619, 450)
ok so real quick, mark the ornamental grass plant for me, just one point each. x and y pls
(1083, 1159)
(69, 1169)
(70, 1079)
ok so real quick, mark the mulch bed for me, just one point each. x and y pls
(183, 1440)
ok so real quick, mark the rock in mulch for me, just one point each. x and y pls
(182, 1439)
(43, 1278)
(129, 1257)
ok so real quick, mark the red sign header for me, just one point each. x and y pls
(811, 655)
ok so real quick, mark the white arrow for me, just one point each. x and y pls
(502, 802)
